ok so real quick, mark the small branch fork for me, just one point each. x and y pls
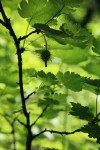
(26, 36)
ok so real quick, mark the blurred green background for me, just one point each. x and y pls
(85, 62)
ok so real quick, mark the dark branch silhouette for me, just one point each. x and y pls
(26, 36)
(30, 95)
(56, 132)
(3, 23)
(17, 44)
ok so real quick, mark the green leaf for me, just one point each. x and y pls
(71, 80)
(52, 113)
(43, 11)
(81, 112)
(13, 4)
(26, 8)
(29, 72)
(92, 85)
(73, 3)
(49, 31)
(47, 78)
(45, 90)
(70, 28)
(96, 45)
(41, 74)
(70, 56)
(78, 36)
(93, 68)
(93, 131)
(61, 98)
(40, 11)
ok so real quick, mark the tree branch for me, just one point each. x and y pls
(26, 36)
(21, 123)
(19, 56)
(56, 132)
(3, 23)
(17, 44)
(37, 31)
(30, 95)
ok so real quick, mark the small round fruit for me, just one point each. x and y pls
(45, 56)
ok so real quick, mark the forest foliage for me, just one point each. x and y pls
(49, 74)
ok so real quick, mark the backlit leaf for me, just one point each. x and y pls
(71, 80)
(49, 31)
(93, 68)
(39, 11)
(81, 112)
(93, 131)
(47, 78)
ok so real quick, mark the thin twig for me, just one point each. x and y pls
(56, 132)
(26, 36)
(21, 123)
(41, 115)
(37, 31)
(30, 95)
(17, 44)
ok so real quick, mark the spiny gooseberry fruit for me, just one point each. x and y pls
(45, 56)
